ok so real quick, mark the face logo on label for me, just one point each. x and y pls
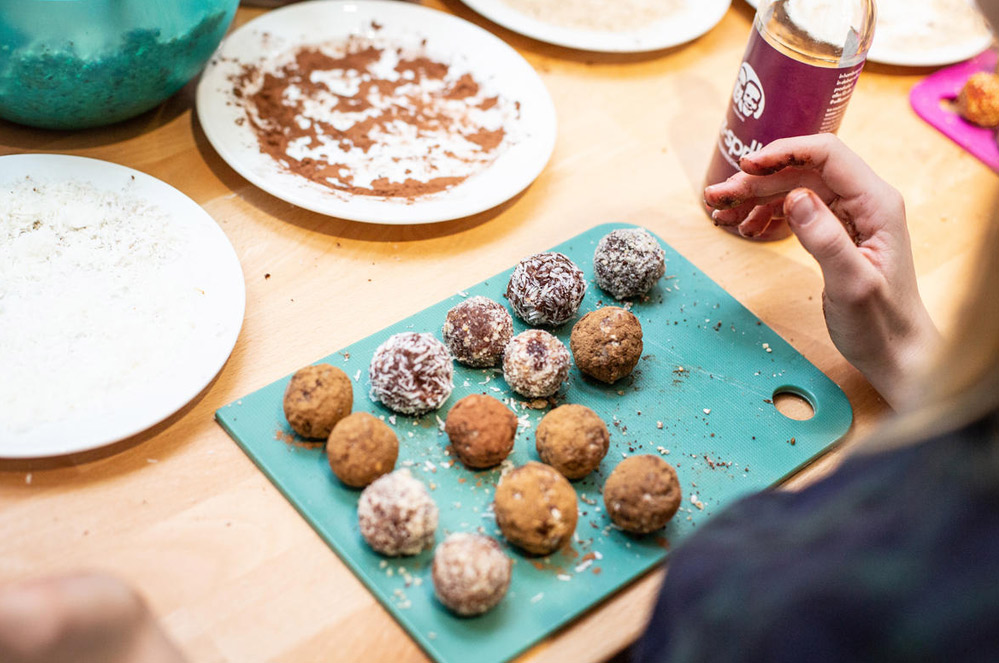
(748, 97)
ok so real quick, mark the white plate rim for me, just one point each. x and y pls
(43, 166)
(934, 57)
(532, 154)
(699, 23)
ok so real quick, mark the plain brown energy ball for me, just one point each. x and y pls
(471, 573)
(317, 397)
(607, 343)
(361, 448)
(978, 101)
(642, 494)
(536, 509)
(573, 440)
(481, 430)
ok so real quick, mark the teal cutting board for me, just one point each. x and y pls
(701, 398)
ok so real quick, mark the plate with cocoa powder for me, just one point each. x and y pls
(377, 111)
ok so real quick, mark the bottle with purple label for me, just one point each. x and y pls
(802, 63)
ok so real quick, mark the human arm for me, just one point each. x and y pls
(87, 618)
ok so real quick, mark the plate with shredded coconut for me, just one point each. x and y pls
(929, 33)
(377, 111)
(120, 300)
(609, 26)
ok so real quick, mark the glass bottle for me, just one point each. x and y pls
(802, 62)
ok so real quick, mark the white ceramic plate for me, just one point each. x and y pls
(959, 50)
(452, 40)
(196, 291)
(695, 18)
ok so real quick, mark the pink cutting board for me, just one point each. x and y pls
(927, 99)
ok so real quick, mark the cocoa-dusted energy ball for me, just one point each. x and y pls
(361, 448)
(607, 343)
(316, 398)
(477, 330)
(573, 440)
(978, 101)
(536, 508)
(546, 289)
(535, 364)
(628, 262)
(411, 373)
(642, 494)
(471, 573)
(397, 515)
(481, 430)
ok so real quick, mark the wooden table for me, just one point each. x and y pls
(233, 571)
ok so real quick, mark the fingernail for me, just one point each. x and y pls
(801, 208)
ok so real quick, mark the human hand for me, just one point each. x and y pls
(79, 619)
(853, 223)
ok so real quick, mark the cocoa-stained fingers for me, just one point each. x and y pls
(841, 170)
(736, 215)
(741, 189)
(760, 219)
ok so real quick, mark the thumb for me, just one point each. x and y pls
(823, 235)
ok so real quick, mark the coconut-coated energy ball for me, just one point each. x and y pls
(535, 364)
(361, 448)
(628, 262)
(642, 494)
(317, 397)
(536, 508)
(477, 330)
(397, 515)
(573, 440)
(471, 573)
(546, 289)
(607, 343)
(481, 430)
(411, 373)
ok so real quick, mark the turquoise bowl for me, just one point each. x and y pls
(72, 64)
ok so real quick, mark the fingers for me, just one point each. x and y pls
(742, 189)
(760, 219)
(838, 167)
(823, 235)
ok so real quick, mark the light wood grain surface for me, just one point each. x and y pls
(232, 570)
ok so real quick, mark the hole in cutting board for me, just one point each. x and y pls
(793, 405)
(949, 105)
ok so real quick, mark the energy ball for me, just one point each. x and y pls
(628, 262)
(477, 330)
(397, 515)
(471, 573)
(573, 440)
(978, 101)
(535, 364)
(607, 343)
(316, 398)
(642, 494)
(361, 448)
(536, 508)
(481, 430)
(411, 373)
(546, 289)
